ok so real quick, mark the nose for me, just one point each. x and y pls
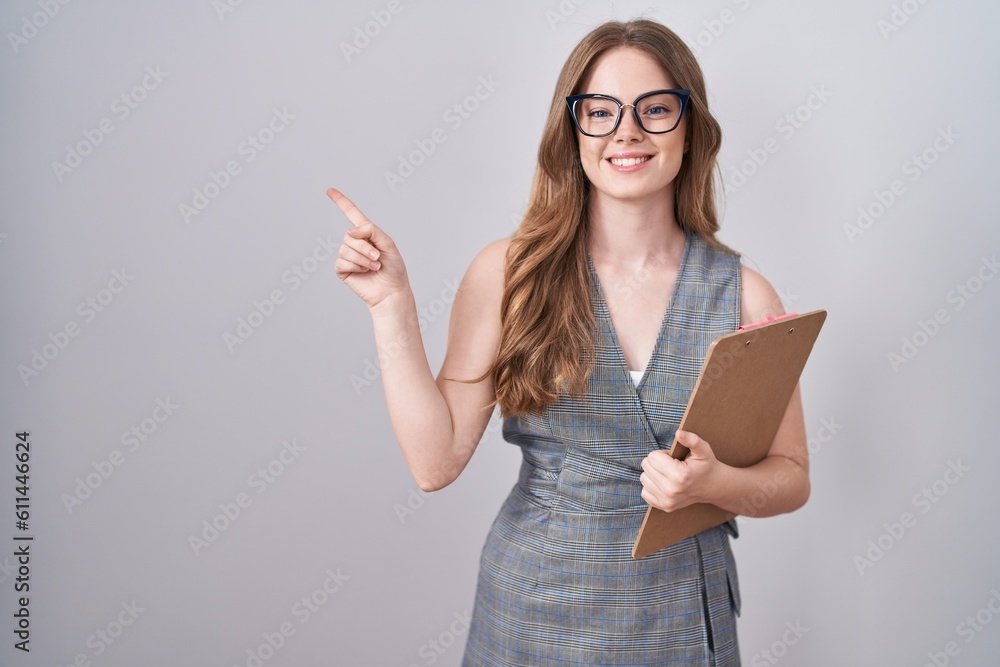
(628, 129)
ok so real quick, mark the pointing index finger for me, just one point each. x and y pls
(349, 208)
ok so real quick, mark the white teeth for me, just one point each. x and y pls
(628, 161)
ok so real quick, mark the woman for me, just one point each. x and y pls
(615, 270)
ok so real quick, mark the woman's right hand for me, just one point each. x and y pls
(369, 262)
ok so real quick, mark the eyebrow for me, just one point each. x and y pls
(652, 90)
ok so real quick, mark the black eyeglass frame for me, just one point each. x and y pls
(681, 93)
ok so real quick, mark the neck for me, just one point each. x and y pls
(633, 233)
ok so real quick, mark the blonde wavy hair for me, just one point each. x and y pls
(547, 336)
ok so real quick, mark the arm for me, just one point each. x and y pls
(438, 423)
(776, 485)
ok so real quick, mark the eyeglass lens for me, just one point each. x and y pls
(657, 113)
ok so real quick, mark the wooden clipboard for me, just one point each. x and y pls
(736, 406)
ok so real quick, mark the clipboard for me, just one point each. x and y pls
(737, 404)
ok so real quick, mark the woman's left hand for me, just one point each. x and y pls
(669, 484)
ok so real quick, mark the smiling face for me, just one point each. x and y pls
(630, 164)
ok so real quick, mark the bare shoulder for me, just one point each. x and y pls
(474, 334)
(758, 299)
(494, 253)
(484, 278)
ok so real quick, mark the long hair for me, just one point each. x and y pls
(547, 336)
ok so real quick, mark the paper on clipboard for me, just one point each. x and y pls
(736, 406)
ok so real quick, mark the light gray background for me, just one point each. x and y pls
(878, 434)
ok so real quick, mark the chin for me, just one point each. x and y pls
(634, 191)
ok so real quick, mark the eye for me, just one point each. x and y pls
(657, 110)
(596, 109)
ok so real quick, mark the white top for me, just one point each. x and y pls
(636, 376)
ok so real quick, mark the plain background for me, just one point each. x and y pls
(871, 571)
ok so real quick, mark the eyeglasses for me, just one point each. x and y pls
(656, 112)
